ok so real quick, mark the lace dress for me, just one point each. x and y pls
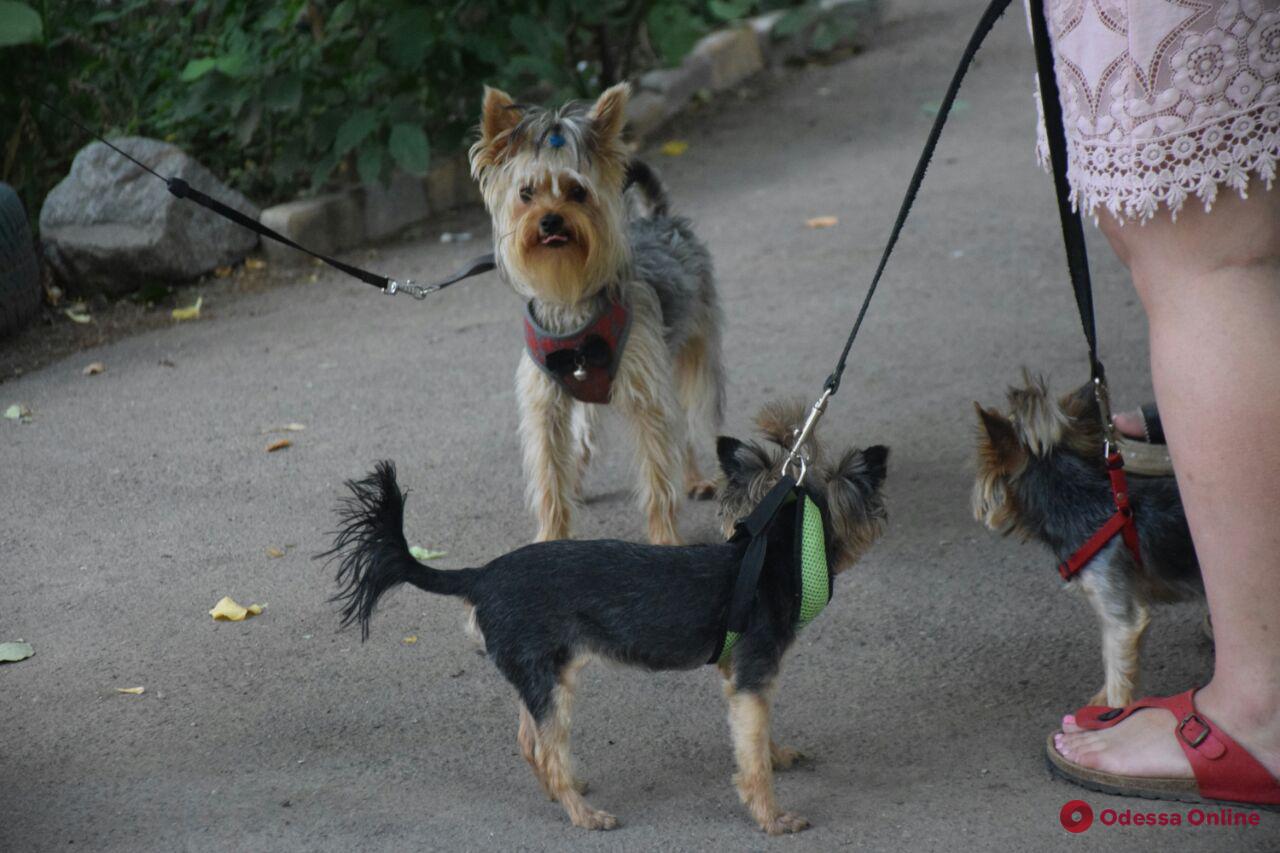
(1165, 99)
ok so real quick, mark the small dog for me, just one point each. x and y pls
(1041, 475)
(544, 610)
(622, 305)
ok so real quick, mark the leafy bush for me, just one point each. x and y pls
(294, 95)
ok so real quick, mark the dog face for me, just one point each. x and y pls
(552, 182)
(847, 490)
(1036, 426)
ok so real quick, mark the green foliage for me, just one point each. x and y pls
(279, 97)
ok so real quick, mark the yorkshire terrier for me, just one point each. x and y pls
(1041, 474)
(622, 306)
(544, 610)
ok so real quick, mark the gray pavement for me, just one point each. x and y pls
(136, 499)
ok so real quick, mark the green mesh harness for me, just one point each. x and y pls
(813, 582)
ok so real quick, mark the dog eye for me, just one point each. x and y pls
(578, 195)
(526, 194)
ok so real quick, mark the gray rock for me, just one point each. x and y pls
(110, 227)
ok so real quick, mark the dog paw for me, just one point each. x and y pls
(596, 819)
(784, 824)
(703, 490)
(784, 757)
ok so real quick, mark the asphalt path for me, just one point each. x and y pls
(137, 498)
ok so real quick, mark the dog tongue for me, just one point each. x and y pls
(554, 238)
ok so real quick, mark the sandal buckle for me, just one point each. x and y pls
(1200, 736)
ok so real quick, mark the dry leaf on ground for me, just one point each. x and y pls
(254, 264)
(132, 691)
(822, 222)
(191, 312)
(674, 147)
(294, 427)
(279, 444)
(94, 368)
(410, 640)
(274, 553)
(78, 313)
(13, 652)
(18, 412)
(227, 610)
(222, 272)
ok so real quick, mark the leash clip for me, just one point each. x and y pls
(1103, 396)
(417, 291)
(795, 459)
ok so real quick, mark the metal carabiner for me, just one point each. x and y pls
(417, 291)
(795, 457)
(1103, 396)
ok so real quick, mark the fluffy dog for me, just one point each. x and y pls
(622, 306)
(544, 610)
(1041, 475)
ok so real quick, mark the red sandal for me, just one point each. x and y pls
(1225, 772)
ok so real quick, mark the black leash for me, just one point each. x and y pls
(181, 189)
(985, 23)
(1072, 227)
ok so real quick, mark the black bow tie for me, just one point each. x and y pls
(594, 352)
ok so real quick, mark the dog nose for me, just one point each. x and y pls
(552, 223)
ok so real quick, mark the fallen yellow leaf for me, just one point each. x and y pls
(822, 222)
(227, 610)
(132, 691)
(254, 264)
(189, 313)
(674, 147)
(222, 272)
(78, 313)
(94, 368)
(274, 553)
(411, 639)
(279, 444)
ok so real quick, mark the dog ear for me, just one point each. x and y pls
(609, 114)
(860, 470)
(998, 441)
(499, 115)
(740, 461)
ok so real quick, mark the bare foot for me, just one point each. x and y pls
(1130, 424)
(1145, 743)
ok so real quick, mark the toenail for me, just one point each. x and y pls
(1069, 720)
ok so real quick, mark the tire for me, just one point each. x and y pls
(19, 268)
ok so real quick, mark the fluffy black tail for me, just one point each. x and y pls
(640, 175)
(374, 554)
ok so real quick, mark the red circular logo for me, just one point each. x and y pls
(1076, 816)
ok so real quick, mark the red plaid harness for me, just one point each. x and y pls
(583, 362)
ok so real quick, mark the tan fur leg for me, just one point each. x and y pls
(698, 384)
(556, 763)
(584, 441)
(1121, 651)
(642, 391)
(550, 463)
(527, 738)
(749, 723)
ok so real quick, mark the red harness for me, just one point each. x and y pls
(1121, 522)
(582, 362)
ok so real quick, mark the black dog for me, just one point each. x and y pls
(545, 609)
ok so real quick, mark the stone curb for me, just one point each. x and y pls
(719, 62)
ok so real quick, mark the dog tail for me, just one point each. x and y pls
(374, 554)
(641, 176)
